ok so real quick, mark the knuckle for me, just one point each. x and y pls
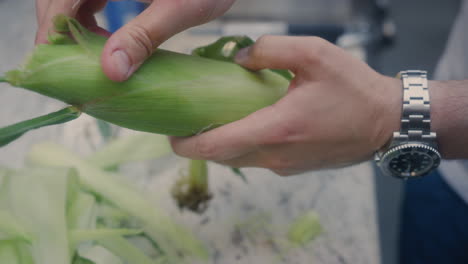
(259, 46)
(315, 51)
(288, 133)
(141, 38)
(317, 41)
(263, 39)
(206, 150)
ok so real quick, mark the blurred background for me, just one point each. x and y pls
(358, 207)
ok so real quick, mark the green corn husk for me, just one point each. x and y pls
(173, 239)
(10, 133)
(305, 229)
(172, 93)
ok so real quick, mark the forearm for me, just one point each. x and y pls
(449, 114)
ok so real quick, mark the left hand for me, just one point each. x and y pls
(131, 45)
(337, 112)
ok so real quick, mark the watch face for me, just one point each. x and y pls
(410, 160)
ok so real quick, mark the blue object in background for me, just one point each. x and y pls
(434, 224)
(117, 12)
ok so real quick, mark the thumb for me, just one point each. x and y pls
(131, 45)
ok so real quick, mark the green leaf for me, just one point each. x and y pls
(110, 216)
(4, 171)
(5, 178)
(239, 173)
(100, 255)
(105, 129)
(12, 132)
(60, 39)
(138, 147)
(226, 48)
(81, 35)
(8, 253)
(305, 229)
(38, 200)
(78, 236)
(125, 250)
(14, 252)
(10, 227)
(172, 238)
(80, 260)
(81, 212)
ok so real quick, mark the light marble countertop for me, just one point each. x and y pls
(344, 199)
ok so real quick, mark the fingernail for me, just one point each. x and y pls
(121, 63)
(242, 55)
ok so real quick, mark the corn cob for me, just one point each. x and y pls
(172, 93)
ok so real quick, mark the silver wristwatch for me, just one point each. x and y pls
(412, 151)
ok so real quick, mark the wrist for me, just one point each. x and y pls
(449, 117)
(436, 124)
(390, 104)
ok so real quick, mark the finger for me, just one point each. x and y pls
(101, 31)
(127, 48)
(66, 7)
(83, 10)
(231, 140)
(280, 52)
(91, 7)
(143, 1)
(87, 19)
(249, 160)
(283, 159)
(41, 8)
(130, 46)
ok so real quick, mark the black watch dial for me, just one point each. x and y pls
(411, 160)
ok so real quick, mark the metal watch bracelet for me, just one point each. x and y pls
(412, 152)
(416, 115)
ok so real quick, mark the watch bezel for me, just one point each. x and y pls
(398, 150)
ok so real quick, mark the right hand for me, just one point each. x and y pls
(131, 45)
(337, 112)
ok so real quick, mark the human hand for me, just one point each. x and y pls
(337, 112)
(128, 48)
